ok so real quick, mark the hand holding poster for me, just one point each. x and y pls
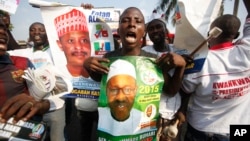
(129, 99)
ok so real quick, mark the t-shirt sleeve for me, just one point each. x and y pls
(189, 83)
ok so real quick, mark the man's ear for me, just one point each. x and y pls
(59, 45)
(237, 35)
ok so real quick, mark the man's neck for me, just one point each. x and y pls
(162, 47)
(131, 51)
(41, 47)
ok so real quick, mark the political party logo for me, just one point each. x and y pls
(101, 31)
(149, 77)
(102, 47)
(37, 131)
(17, 76)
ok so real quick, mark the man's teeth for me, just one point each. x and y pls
(121, 106)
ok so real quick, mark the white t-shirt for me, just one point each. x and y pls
(168, 105)
(221, 91)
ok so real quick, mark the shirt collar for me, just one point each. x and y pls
(224, 45)
(44, 48)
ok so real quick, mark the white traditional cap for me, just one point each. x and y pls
(72, 21)
(119, 67)
(156, 16)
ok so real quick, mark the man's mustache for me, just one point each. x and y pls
(80, 52)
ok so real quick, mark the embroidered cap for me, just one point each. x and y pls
(74, 20)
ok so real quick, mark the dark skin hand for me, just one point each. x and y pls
(23, 107)
(189, 60)
(170, 60)
(87, 6)
(93, 64)
(167, 62)
(181, 114)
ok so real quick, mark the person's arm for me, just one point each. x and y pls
(23, 107)
(167, 62)
(95, 68)
(181, 113)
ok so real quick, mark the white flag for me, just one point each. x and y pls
(193, 19)
(201, 13)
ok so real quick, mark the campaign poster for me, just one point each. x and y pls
(129, 99)
(69, 55)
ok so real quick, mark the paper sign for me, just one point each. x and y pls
(9, 6)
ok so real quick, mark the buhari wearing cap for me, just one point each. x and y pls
(121, 67)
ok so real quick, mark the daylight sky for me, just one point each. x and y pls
(26, 14)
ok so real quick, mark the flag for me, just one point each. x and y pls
(192, 26)
(201, 13)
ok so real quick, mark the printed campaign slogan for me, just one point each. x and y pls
(75, 34)
(129, 99)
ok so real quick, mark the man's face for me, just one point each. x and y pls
(121, 92)
(76, 47)
(156, 31)
(37, 34)
(3, 40)
(131, 28)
